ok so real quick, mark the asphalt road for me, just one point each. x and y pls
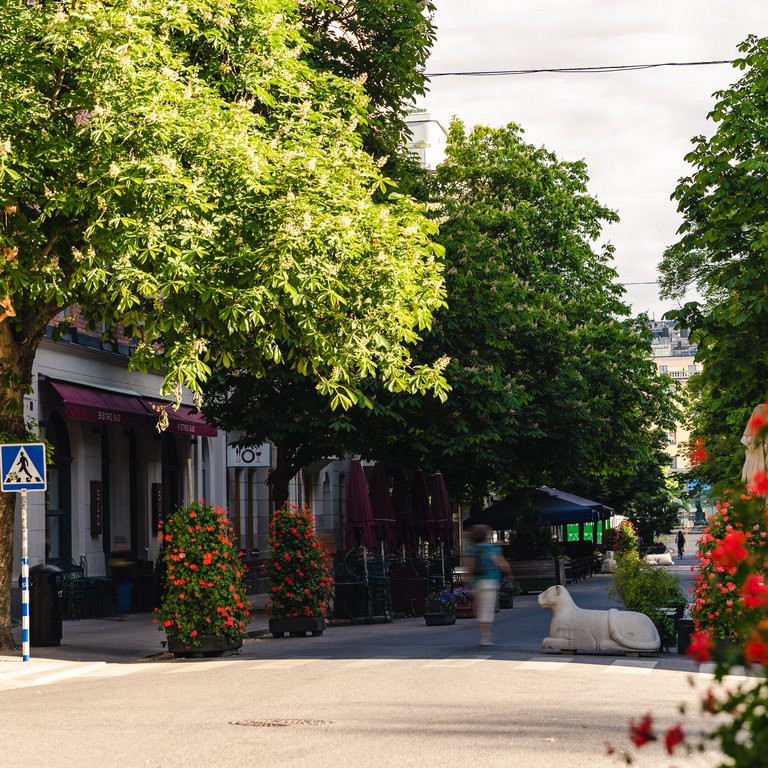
(399, 694)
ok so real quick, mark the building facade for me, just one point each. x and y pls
(674, 355)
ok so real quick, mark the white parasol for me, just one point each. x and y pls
(755, 457)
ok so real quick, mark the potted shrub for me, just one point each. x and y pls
(203, 608)
(440, 608)
(508, 589)
(465, 603)
(300, 574)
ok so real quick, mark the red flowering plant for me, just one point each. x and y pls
(204, 592)
(622, 539)
(730, 613)
(300, 567)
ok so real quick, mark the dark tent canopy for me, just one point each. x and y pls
(555, 508)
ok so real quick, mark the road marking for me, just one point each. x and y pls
(373, 662)
(632, 666)
(28, 668)
(283, 663)
(75, 670)
(454, 662)
(120, 670)
(544, 663)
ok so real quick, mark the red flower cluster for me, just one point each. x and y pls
(299, 568)
(204, 591)
(731, 550)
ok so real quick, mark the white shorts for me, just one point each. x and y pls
(485, 598)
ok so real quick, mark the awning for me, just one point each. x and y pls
(185, 420)
(555, 508)
(101, 406)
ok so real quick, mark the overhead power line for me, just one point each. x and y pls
(577, 70)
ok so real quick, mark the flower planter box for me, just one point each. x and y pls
(209, 646)
(465, 610)
(297, 626)
(440, 619)
(537, 575)
(506, 601)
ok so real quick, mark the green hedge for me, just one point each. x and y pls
(648, 589)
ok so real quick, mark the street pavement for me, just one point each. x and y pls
(397, 694)
(517, 633)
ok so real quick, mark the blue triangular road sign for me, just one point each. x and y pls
(22, 467)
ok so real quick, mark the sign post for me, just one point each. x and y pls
(22, 469)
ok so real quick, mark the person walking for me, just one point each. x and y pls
(485, 564)
(680, 539)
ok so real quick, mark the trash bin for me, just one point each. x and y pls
(45, 605)
(684, 632)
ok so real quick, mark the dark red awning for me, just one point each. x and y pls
(101, 406)
(184, 420)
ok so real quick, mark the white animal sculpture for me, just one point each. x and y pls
(609, 563)
(578, 629)
(664, 558)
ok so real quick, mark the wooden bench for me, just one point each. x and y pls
(536, 575)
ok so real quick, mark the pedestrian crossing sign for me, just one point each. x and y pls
(22, 467)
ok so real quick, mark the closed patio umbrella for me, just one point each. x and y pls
(442, 517)
(421, 509)
(755, 456)
(360, 527)
(381, 505)
(401, 501)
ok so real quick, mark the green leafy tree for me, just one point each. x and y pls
(721, 253)
(384, 44)
(180, 169)
(549, 384)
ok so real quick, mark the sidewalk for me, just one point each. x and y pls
(136, 638)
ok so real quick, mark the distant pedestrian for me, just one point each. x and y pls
(485, 564)
(680, 539)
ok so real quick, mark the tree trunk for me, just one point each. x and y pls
(19, 340)
(280, 479)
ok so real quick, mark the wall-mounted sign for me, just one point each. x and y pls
(97, 508)
(248, 456)
(157, 505)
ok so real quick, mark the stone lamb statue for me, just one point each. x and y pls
(664, 558)
(577, 629)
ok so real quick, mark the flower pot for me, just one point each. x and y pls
(506, 601)
(208, 646)
(465, 610)
(440, 619)
(297, 626)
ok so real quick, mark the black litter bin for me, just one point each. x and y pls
(684, 632)
(45, 605)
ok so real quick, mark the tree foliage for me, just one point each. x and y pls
(549, 384)
(383, 44)
(179, 168)
(722, 253)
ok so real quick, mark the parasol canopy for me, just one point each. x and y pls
(360, 526)
(401, 501)
(381, 505)
(555, 508)
(442, 516)
(755, 458)
(421, 509)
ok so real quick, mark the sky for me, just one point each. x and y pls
(633, 129)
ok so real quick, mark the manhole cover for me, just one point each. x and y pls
(279, 723)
